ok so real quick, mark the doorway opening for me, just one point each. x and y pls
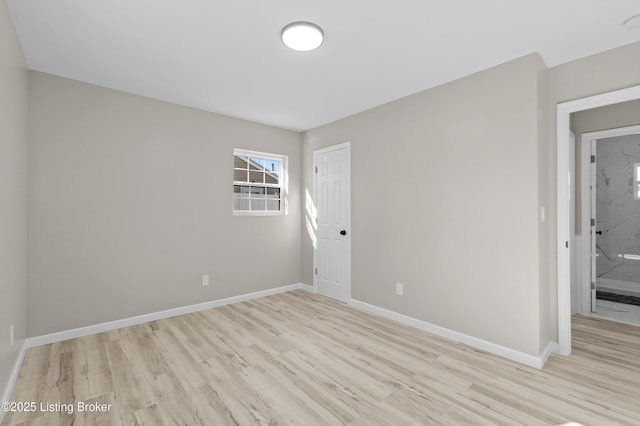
(610, 225)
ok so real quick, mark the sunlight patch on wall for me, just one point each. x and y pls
(311, 214)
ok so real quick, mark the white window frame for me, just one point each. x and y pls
(282, 185)
(636, 181)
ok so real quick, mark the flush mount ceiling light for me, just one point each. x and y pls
(302, 36)
(632, 23)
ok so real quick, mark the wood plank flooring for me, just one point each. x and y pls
(300, 358)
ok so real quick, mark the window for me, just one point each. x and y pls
(258, 183)
(636, 181)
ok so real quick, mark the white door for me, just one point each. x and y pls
(332, 257)
(593, 234)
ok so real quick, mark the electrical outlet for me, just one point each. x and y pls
(205, 280)
(11, 335)
(399, 289)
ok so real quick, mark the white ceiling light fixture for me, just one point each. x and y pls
(632, 23)
(302, 36)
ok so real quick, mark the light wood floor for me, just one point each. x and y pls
(299, 358)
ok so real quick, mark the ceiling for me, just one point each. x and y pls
(226, 56)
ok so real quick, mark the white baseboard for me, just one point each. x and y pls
(552, 348)
(307, 287)
(154, 316)
(517, 356)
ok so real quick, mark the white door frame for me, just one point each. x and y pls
(585, 167)
(563, 233)
(343, 145)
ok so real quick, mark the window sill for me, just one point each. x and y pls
(248, 213)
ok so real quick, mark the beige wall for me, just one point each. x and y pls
(458, 225)
(13, 195)
(601, 73)
(130, 202)
(543, 201)
(592, 120)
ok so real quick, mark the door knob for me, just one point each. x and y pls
(343, 232)
(599, 232)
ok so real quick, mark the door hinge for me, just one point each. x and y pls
(316, 271)
(316, 169)
(566, 244)
(593, 159)
(593, 222)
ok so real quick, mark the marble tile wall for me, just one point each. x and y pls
(617, 212)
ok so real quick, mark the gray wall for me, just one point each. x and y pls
(608, 117)
(543, 201)
(466, 245)
(604, 72)
(13, 195)
(130, 202)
